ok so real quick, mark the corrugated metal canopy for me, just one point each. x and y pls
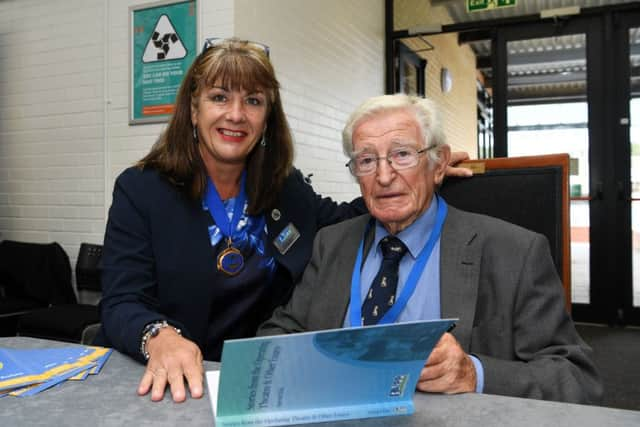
(541, 68)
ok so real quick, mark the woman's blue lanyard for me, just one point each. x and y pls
(230, 260)
(355, 311)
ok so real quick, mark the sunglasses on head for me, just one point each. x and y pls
(215, 41)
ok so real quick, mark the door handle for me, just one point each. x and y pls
(620, 188)
(597, 193)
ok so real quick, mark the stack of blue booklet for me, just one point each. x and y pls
(25, 372)
(321, 376)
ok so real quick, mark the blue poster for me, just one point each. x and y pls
(163, 46)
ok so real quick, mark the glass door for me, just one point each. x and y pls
(558, 124)
(627, 29)
(546, 110)
(574, 87)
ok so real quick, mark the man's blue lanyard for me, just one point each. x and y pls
(355, 311)
(218, 212)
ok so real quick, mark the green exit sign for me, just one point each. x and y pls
(478, 5)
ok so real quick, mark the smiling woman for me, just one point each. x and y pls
(228, 124)
(231, 83)
(208, 233)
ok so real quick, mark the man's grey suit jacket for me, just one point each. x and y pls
(497, 278)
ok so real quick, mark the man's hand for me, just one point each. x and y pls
(448, 370)
(172, 359)
(452, 170)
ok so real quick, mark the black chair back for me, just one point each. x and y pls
(87, 267)
(532, 192)
(38, 271)
(71, 322)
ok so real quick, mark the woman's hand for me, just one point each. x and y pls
(456, 158)
(173, 359)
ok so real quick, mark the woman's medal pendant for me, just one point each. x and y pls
(230, 260)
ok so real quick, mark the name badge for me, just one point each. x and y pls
(286, 238)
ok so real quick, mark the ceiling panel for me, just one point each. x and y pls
(458, 10)
(538, 69)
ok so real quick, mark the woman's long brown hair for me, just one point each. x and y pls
(235, 64)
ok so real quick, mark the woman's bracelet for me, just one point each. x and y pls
(151, 330)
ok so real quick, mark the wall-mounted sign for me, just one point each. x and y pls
(163, 46)
(479, 5)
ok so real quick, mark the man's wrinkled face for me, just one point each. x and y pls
(396, 198)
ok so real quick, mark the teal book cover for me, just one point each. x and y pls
(321, 376)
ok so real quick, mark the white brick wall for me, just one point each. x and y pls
(64, 93)
(329, 57)
(51, 120)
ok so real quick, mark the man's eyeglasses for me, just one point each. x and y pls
(366, 163)
(215, 41)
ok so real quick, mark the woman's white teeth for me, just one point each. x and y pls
(231, 133)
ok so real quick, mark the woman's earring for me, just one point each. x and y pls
(263, 141)
(195, 135)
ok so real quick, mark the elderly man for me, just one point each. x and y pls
(416, 258)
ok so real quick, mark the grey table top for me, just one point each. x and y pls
(110, 399)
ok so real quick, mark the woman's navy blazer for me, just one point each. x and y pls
(158, 263)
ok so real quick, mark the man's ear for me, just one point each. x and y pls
(441, 166)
